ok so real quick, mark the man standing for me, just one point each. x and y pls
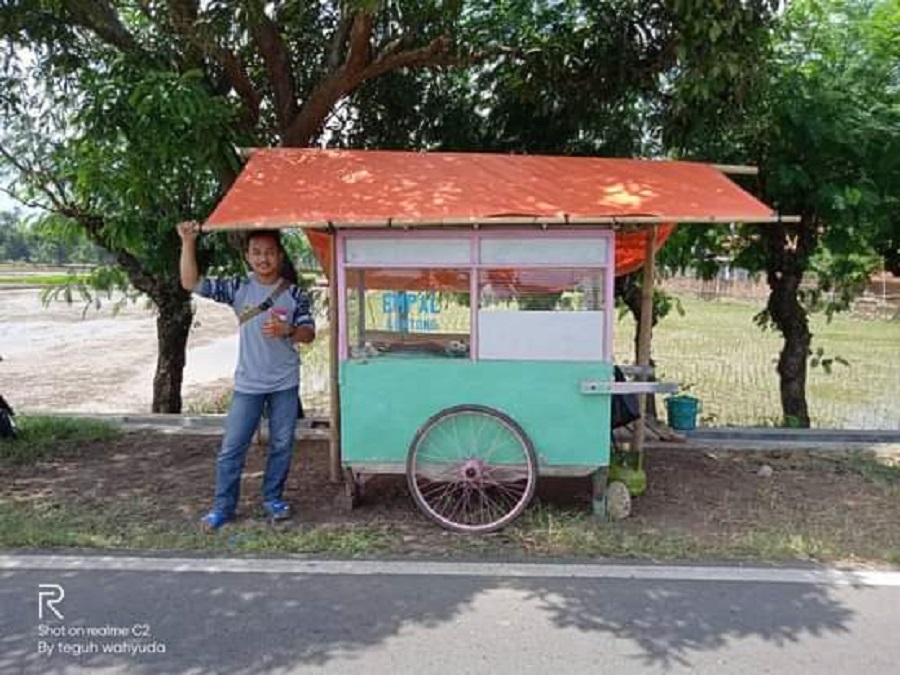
(274, 314)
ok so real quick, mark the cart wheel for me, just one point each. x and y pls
(471, 469)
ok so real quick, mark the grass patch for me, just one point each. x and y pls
(342, 540)
(42, 525)
(44, 437)
(550, 531)
(215, 403)
(874, 469)
(42, 279)
(717, 353)
(542, 532)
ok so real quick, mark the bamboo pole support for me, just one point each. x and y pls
(645, 332)
(737, 169)
(614, 222)
(334, 438)
(361, 301)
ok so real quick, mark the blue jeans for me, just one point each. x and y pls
(243, 418)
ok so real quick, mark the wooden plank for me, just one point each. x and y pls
(737, 169)
(361, 299)
(643, 372)
(334, 445)
(611, 222)
(640, 387)
(413, 338)
(645, 331)
(313, 434)
(399, 468)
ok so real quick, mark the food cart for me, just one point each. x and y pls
(472, 306)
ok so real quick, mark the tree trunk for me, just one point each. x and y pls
(629, 290)
(787, 258)
(173, 325)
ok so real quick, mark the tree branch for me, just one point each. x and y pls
(359, 52)
(240, 82)
(278, 65)
(92, 224)
(38, 176)
(184, 14)
(341, 35)
(435, 53)
(24, 202)
(101, 18)
(328, 92)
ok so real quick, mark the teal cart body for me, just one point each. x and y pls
(475, 362)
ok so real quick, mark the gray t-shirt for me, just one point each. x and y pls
(264, 364)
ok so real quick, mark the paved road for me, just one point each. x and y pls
(292, 616)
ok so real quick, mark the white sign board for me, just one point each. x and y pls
(541, 336)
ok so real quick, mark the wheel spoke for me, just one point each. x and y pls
(441, 491)
(499, 439)
(493, 506)
(510, 489)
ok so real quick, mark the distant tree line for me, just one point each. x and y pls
(21, 241)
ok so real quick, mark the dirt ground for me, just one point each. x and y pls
(59, 359)
(707, 497)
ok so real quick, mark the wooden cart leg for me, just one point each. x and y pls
(598, 493)
(351, 492)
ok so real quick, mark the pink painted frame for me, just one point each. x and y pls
(475, 265)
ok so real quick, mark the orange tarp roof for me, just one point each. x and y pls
(304, 187)
(312, 188)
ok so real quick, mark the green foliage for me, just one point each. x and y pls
(569, 77)
(103, 284)
(819, 359)
(875, 469)
(42, 438)
(824, 128)
(842, 277)
(300, 252)
(136, 155)
(831, 107)
(663, 305)
(122, 121)
(145, 157)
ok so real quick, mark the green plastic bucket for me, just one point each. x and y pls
(682, 412)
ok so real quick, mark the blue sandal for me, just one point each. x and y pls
(213, 520)
(277, 510)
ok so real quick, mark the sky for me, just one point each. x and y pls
(7, 204)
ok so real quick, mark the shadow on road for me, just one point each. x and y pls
(668, 621)
(236, 623)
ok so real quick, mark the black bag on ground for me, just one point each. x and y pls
(625, 407)
(7, 423)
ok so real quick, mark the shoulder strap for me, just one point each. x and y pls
(248, 314)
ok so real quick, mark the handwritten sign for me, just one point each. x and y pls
(411, 311)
